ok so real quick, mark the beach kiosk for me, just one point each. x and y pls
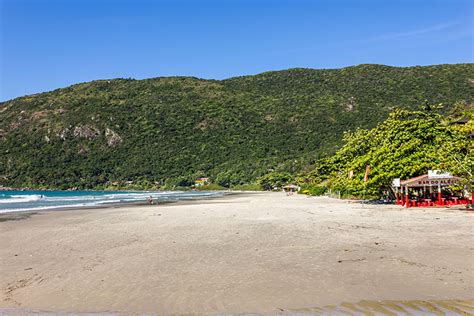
(291, 188)
(427, 190)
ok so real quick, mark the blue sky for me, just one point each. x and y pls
(49, 44)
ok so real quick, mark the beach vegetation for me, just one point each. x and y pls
(407, 144)
(247, 187)
(275, 180)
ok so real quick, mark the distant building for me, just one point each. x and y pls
(201, 181)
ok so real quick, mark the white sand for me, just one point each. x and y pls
(261, 253)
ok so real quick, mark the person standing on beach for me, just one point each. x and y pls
(150, 200)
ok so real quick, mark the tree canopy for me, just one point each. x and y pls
(407, 144)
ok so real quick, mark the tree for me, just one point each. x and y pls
(274, 180)
(407, 144)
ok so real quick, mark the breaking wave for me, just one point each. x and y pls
(20, 201)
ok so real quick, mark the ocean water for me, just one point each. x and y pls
(18, 201)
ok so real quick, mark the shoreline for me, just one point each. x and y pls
(20, 215)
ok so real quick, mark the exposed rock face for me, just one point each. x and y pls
(15, 125)
(269, 117)
(64, 134)
(113, 139)
(86, 131)
(205, 124)
(351, 103)
(90, 132)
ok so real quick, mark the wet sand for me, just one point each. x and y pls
(253, 253)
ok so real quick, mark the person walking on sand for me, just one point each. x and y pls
(150, 200)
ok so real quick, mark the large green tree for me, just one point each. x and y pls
(407, 144)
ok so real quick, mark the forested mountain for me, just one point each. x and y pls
(174, 129)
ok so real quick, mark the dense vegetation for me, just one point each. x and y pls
(168, 131)
(407, 144)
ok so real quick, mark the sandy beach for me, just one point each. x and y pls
(250, 253)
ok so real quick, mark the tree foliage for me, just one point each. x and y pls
(274, 180)
(407, 144)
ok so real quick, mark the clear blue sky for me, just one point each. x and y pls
(51, 44)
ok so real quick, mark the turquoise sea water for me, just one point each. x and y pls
(17, 201)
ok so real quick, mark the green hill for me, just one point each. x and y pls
(172, 130)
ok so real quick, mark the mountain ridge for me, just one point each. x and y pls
(237, 76)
